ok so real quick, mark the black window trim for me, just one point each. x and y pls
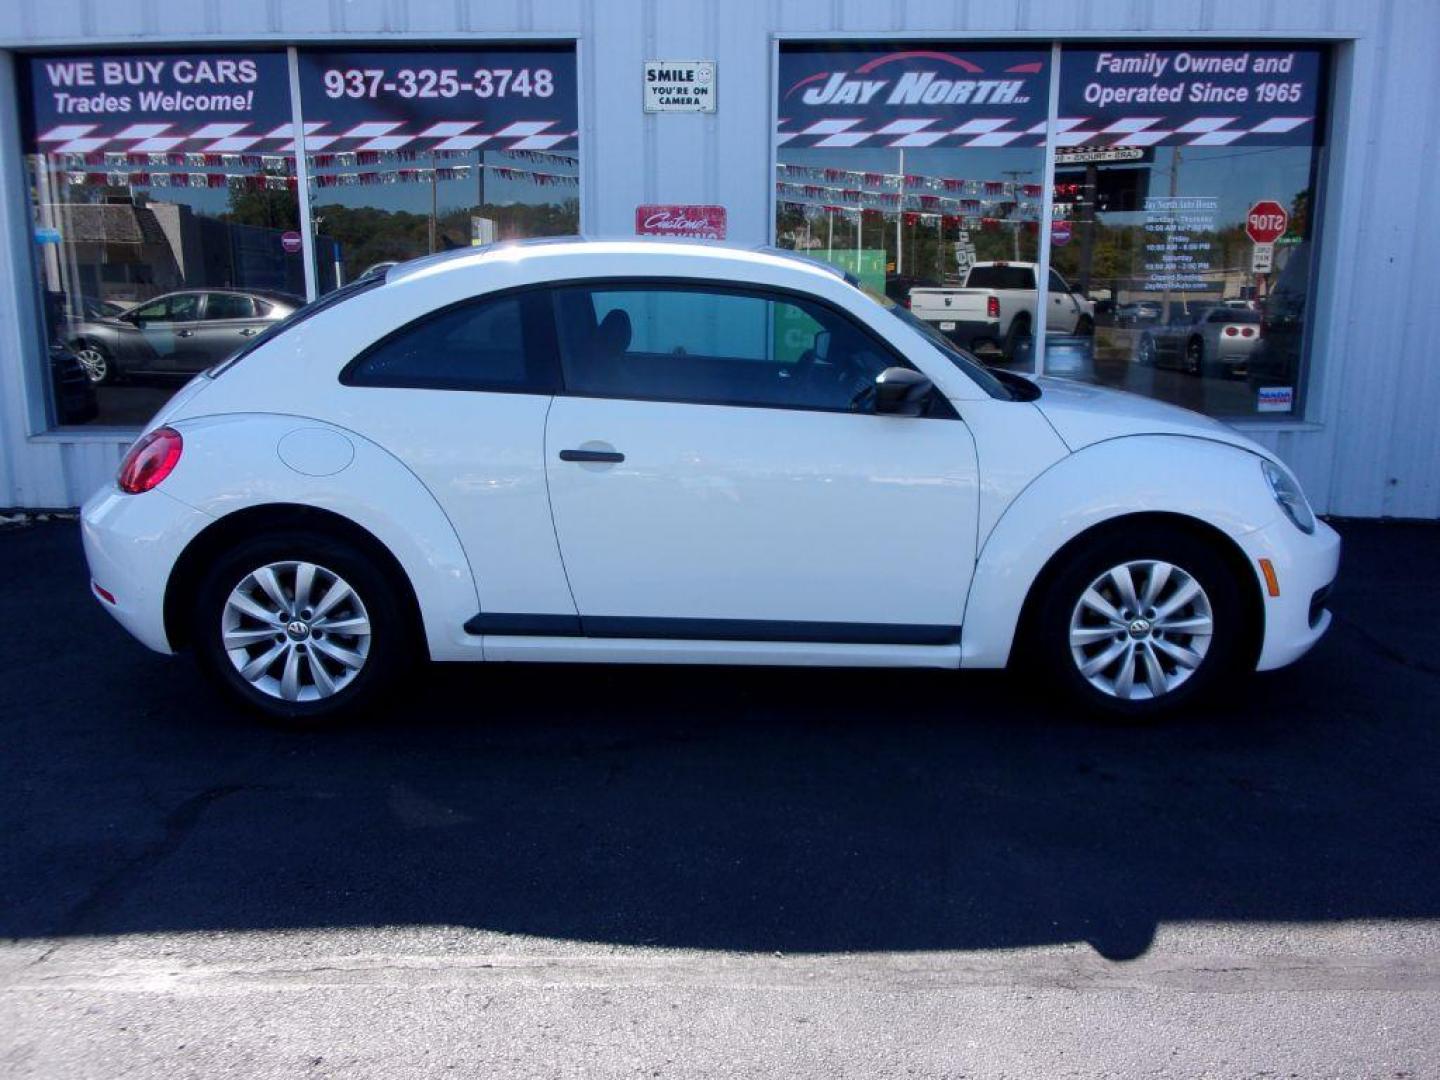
(537, 343)
(941, 407)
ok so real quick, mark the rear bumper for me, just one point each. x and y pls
(965, 332)
(131, 545)
(1305, 567)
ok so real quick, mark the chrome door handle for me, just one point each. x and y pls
(185, 333)
(612, 456)
(249, 331)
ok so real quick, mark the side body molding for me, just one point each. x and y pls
(374, 490)
(1217, 483)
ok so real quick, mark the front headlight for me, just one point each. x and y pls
(1288, 494)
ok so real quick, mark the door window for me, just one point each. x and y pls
(714, 346)
(474, 346)
(229, 306)
(182, 307)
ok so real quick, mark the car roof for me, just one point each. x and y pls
(605, 252)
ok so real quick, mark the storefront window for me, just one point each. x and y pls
(1184, 183)
(1182, 233)
(919, 168)
(414, 153)
(165, 204)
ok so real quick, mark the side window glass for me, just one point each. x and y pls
(1057, 283)
(156, 312)
(228, 306)
(476, 346)
(184, 307)
(714, 346)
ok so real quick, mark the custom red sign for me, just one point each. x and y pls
(1060, 232)
(290, 242)
(699, 222)
(1266, 222)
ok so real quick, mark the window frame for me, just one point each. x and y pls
(940, 407)
(537, 344)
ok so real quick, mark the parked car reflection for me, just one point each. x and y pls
(180, 333)
(1213, 340)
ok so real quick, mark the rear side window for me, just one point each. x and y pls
(229, 306)
(1000, 277)
(478, 345)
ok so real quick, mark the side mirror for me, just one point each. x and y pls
(901, 391)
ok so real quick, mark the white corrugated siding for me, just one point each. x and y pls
(1373, 448)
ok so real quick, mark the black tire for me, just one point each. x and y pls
(1145, 354)
(391, 645)
(1045, 647)
(97, 362)
(1195, 357)
(1018, 331)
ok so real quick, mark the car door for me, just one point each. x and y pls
(1064, 308)
(717, 471)
(228, 322)
(459, 395)
(167, 327)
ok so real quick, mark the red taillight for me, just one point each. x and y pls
(906, 302)
(1230, 331)
(1247, 331)
(992, 307)
(150, 460)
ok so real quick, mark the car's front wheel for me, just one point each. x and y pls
(301, 626)
(99, 367)
(1140, 622)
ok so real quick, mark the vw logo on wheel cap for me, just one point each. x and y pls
(298, 629)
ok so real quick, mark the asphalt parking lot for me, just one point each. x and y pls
(676, 872)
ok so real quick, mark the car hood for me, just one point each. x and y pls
(1083, 414)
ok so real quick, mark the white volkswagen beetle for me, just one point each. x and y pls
(651, 452)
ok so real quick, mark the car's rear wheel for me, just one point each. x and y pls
(300, 625)
(1141, 622)
(1015, 337)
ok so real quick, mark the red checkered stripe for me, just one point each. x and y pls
(996, 131)
(236, 138)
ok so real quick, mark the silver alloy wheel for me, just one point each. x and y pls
(1141, 629)
(295, 631)
(95, 363)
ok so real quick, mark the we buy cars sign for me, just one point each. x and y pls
(1266, 222)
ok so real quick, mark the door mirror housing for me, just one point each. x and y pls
(901, 391)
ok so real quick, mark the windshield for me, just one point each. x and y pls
(957, 356)
(299, 315)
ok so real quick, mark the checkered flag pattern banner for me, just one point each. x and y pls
(369, 136)
(1141, 131)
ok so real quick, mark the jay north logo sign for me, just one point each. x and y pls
(910, 97)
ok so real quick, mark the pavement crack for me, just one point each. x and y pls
(176, 828)
(1387, 650)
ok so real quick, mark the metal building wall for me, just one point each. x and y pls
(1371, 446)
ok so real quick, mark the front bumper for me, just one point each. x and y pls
(1304, 566)
(131, 544)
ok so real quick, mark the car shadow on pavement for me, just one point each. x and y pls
(753, 810)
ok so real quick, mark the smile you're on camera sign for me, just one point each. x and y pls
(680, 86)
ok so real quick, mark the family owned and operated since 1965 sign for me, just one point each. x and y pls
(1189, 97)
